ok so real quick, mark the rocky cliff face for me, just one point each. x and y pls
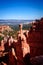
(35, 38)
(5, 27)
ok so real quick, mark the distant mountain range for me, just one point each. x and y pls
(14, 22)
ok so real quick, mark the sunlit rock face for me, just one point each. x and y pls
(5, 27)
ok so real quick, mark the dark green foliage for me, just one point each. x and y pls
(1, 38)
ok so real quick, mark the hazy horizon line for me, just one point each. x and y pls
(20, 19)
